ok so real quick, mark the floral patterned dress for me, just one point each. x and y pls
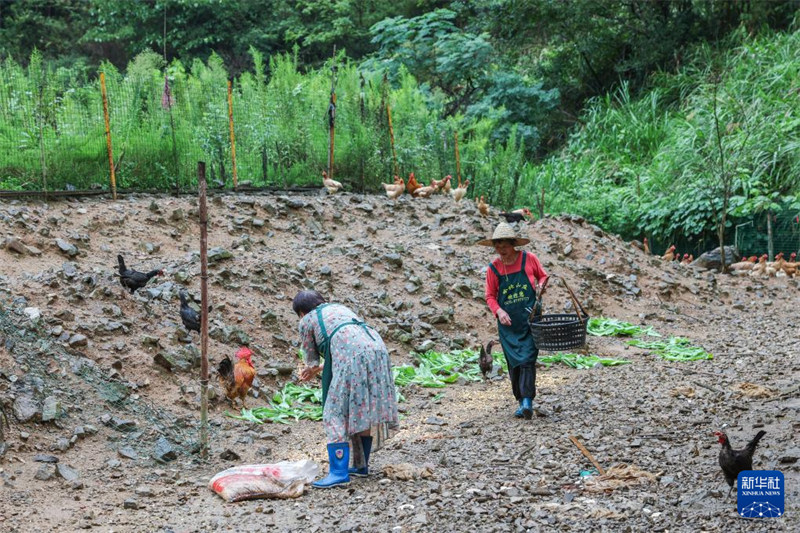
(361, 394)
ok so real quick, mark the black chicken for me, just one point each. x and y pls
(485, 358)
(134, 280)
(735, 461)
(512, 217)
(189, 317)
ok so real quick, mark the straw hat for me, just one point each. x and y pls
(504, 231)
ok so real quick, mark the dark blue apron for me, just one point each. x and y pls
(516, 296)
(323, 347)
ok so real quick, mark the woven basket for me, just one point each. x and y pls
(559, 332)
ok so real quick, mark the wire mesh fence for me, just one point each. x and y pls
(163, 121)
(752, 237)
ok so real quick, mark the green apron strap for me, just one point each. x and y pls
(324, 349)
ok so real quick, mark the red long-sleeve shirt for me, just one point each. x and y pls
(533, 268)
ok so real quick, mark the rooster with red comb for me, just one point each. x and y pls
(237, 378)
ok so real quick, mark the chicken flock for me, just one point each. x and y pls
(235, 379)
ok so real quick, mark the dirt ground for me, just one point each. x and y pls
(80, 381)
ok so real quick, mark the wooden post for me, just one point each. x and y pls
(332, 115)
(201, 179)
(42, 157)
(458, 162)
(233, 138)
(391, 139)
(108, 135)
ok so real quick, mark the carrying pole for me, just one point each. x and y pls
(391, 139)
(108, 136)
(233, 137)
(201, 179)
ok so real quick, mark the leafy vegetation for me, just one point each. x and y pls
(674, 349)
(436, 369)
(575, 360)
(293, 402)
(650, 165)
(670, 119)
(611, 327)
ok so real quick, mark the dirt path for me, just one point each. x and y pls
(410, 269)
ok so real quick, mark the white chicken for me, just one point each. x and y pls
(332, 185)
(459, 192)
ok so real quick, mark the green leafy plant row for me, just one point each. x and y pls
(580, 361)
(674, 349)
(611, 327)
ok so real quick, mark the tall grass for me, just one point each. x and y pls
(647, 165)
(281, 125)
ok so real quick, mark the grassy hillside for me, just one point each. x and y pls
(652, 165)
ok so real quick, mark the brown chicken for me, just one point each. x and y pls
(669, 255)
(440, 184)
(735, 461)
(646, 245)
(485, 361)
(483, 207)
(412, 184)
(237, 379)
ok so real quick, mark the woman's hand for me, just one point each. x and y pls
(309, 372)
(503, 317)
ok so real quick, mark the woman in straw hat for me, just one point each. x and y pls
(359, 402)
(510, 293)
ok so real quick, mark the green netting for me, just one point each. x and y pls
(752, 238)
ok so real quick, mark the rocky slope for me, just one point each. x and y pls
(101, 388)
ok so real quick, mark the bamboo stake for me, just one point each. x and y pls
(458, 162)
(391, 138)
(233, 138)
(588, 455)
(201, 178)
(41, 145)
(332, 115)
(108, 135)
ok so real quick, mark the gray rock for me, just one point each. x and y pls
(128, 453)
(45, 472)
(144, 491)
(790, 456)
(69, 269)
(218, 254)
(713, 259)
(130, 503)
(25, 407)
(45, 458)
(66, 472)
(229, 455)
(66, 248)
(78, 340)
(164, 451)
(51, 409)
(13, 244)
(393, 260)
(33, 313)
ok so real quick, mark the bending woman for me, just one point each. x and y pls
(359, 402)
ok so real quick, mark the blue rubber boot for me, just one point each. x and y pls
(366, 444)
(339, 458)
(518, 412)
(527, 408)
